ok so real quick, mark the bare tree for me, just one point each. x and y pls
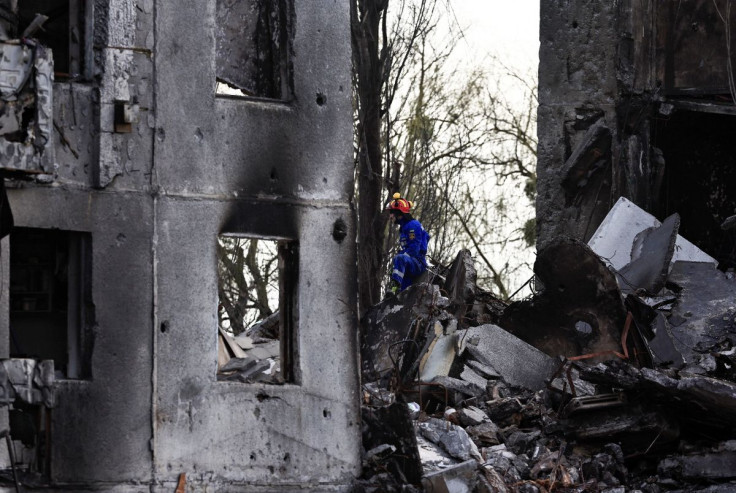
(248, 281)
(465, 153)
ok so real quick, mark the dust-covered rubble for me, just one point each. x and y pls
(586, 386)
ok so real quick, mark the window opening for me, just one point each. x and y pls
(700, 169)
(65, 32)
(257, 280)
(50, 298)
(253, 47)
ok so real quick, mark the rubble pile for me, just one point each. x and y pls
(253, 356)
(618, 375)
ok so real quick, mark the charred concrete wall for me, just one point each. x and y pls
(153, 164)
(617, 83)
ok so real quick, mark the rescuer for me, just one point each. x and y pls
(410, 262)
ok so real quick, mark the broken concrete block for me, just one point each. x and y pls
(485, 371)
(614, 238)
(485, 433)
(460, 478)
(520, 442)
(472, 377)
(707, 466)
(433, 457)
(516, 361)
(453, 439)
(704, 314)
(268, 328)
(390, 322)
(472, 416)
(270, 349)
(454, 385)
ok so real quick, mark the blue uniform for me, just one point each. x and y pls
(410, 262)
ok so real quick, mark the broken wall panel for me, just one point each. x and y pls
(26, 108)
(614, 239)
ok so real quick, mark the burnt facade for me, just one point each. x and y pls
(121, 172)
(637, 101)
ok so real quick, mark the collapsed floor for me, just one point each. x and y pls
(618, 375)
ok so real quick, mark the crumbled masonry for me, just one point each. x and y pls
(589, 385)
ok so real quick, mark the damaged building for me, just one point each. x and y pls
(132, 136)
(617, 373)
(636, 100)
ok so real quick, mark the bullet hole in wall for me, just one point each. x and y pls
(339, 230)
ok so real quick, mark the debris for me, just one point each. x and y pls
(650, 258)
(579, 312)
(460, 478)
(516, 361)
(391, 425)
(453, 439)
(587, 157)
(461, 283)
(181, 485)
(615, 377)
(704, 316)
(440, 355)
(614, 238)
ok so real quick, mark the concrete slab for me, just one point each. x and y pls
(516, 361)
(440, 356)
(704, 314)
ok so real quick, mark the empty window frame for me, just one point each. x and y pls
(257, 290)
(253, 48)
(698, 179)
(67, 31)
(51, 312)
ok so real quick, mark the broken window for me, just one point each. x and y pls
(700, 169)
(253, 46)
(65, 31)
(257, 309)
(51, 313)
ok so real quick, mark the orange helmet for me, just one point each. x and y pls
(399, 204)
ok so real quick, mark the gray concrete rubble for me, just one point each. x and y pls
(517, 362)
(587, 385)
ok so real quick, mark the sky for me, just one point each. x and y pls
(508, 29)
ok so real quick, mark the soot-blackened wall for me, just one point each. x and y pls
(153, 165)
